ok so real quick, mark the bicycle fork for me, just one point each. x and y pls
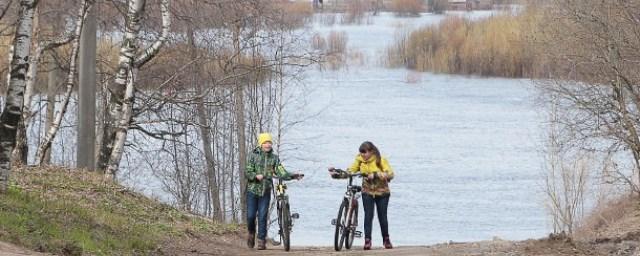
(352, 227)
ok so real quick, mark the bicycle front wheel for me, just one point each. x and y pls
(352, 225)
(338, 239)
(285, 225)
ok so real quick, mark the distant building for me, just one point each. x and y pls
(460, 5)
(470, 4)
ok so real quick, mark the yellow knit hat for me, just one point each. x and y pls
(264, 137)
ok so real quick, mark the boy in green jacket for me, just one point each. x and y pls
(262, 165)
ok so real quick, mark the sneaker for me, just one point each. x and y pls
(367, 244)
(262, 245)
(387, 243)
(251, 240)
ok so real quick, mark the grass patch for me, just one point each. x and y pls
(75, 213)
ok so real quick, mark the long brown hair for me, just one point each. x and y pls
(368, 146)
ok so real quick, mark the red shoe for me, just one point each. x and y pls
(367, 244)
(387, 243)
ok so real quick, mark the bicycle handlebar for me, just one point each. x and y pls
(349, 174)
(293, 176)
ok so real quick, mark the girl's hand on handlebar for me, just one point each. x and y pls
(332, 172)
(383, 175)
(370, 176)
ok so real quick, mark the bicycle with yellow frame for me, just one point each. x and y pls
(285, 217)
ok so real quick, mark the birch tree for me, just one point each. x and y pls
(123, 89)
(41, 47)
(12, 110)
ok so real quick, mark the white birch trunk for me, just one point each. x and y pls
(20, 151)
(52, 88)
(12, 111)
(117, 90)
(121, 109)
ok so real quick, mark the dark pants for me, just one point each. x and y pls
(381, 203)
(258, 206)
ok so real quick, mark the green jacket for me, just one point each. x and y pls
(265, 163)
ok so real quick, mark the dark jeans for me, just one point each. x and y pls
(258, 206)
(381, 203)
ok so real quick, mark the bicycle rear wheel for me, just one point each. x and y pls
(338, 239)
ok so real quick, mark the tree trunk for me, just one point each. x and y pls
(232, 182)
(205, 131)
(87, 95)
(52, 89)
(51, 133)
(123, 91)
(12, 111)
(117, 89)
(21, 150)
(240, 131)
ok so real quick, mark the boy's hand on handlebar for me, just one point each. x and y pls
(259, 177)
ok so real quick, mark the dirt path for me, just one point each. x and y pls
(492, 248)
(534, 247)
(7, 249)
(481, 248)
(234, 245)
(543, 247)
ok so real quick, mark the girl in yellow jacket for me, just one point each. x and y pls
(375, 189)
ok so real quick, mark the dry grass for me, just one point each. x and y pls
(328, 19)
(295, 14)
(336, 51)
(613, 218)
(407, 7)
(337, 42)
(497, 46)
(333, 49)
(318, 42)
(356, 12)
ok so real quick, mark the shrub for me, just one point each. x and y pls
(407, 7)
(496, 46)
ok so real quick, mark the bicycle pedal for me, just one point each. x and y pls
(295, 216)
(357, 234)
(333, 222)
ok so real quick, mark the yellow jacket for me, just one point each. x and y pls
(377, 186)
